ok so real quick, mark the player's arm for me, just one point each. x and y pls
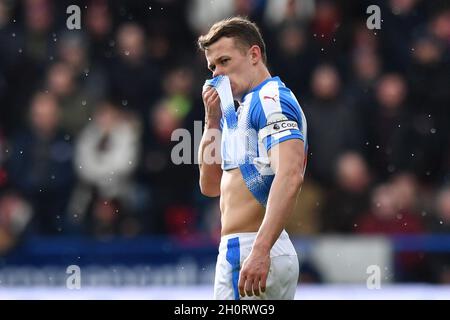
(287, 161)
(209, 158)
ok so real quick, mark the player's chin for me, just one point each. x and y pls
(235, 91)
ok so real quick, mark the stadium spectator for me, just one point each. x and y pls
(105, 157)
(386, 218)
(15, 216)
(349, 198)
(40, 164)
(440, 224)
(329, 119)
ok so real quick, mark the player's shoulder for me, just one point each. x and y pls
(274, 92)
(270, 88)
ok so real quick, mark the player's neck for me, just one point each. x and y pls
(261, 75)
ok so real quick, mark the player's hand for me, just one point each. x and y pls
(211, 100)
(253, 275)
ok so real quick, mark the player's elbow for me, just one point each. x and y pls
(296, 182)
(293, 179)
(209, 189)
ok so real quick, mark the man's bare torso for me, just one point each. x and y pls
(241, 212)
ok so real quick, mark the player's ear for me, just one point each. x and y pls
(255, 53)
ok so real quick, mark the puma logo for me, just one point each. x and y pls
(272, 98)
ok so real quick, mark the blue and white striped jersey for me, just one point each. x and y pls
(269, 114)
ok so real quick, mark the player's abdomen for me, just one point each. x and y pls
(241, 212)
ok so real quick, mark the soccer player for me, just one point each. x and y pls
(263, 150)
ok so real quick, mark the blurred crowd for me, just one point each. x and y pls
(86, 116)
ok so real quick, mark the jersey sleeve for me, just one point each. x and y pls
(277, 118)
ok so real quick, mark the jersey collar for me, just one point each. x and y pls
(259, 86)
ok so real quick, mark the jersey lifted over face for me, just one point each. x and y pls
(269, 114)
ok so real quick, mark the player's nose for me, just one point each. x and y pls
(218, 72)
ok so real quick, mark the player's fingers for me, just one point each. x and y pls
(256, 286)
(205, 89)
(207, 93)
(211, 97)
(263, 282)
(241, 285)
(214, 99)
(249, 286)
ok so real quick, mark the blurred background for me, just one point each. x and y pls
(86, 118)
